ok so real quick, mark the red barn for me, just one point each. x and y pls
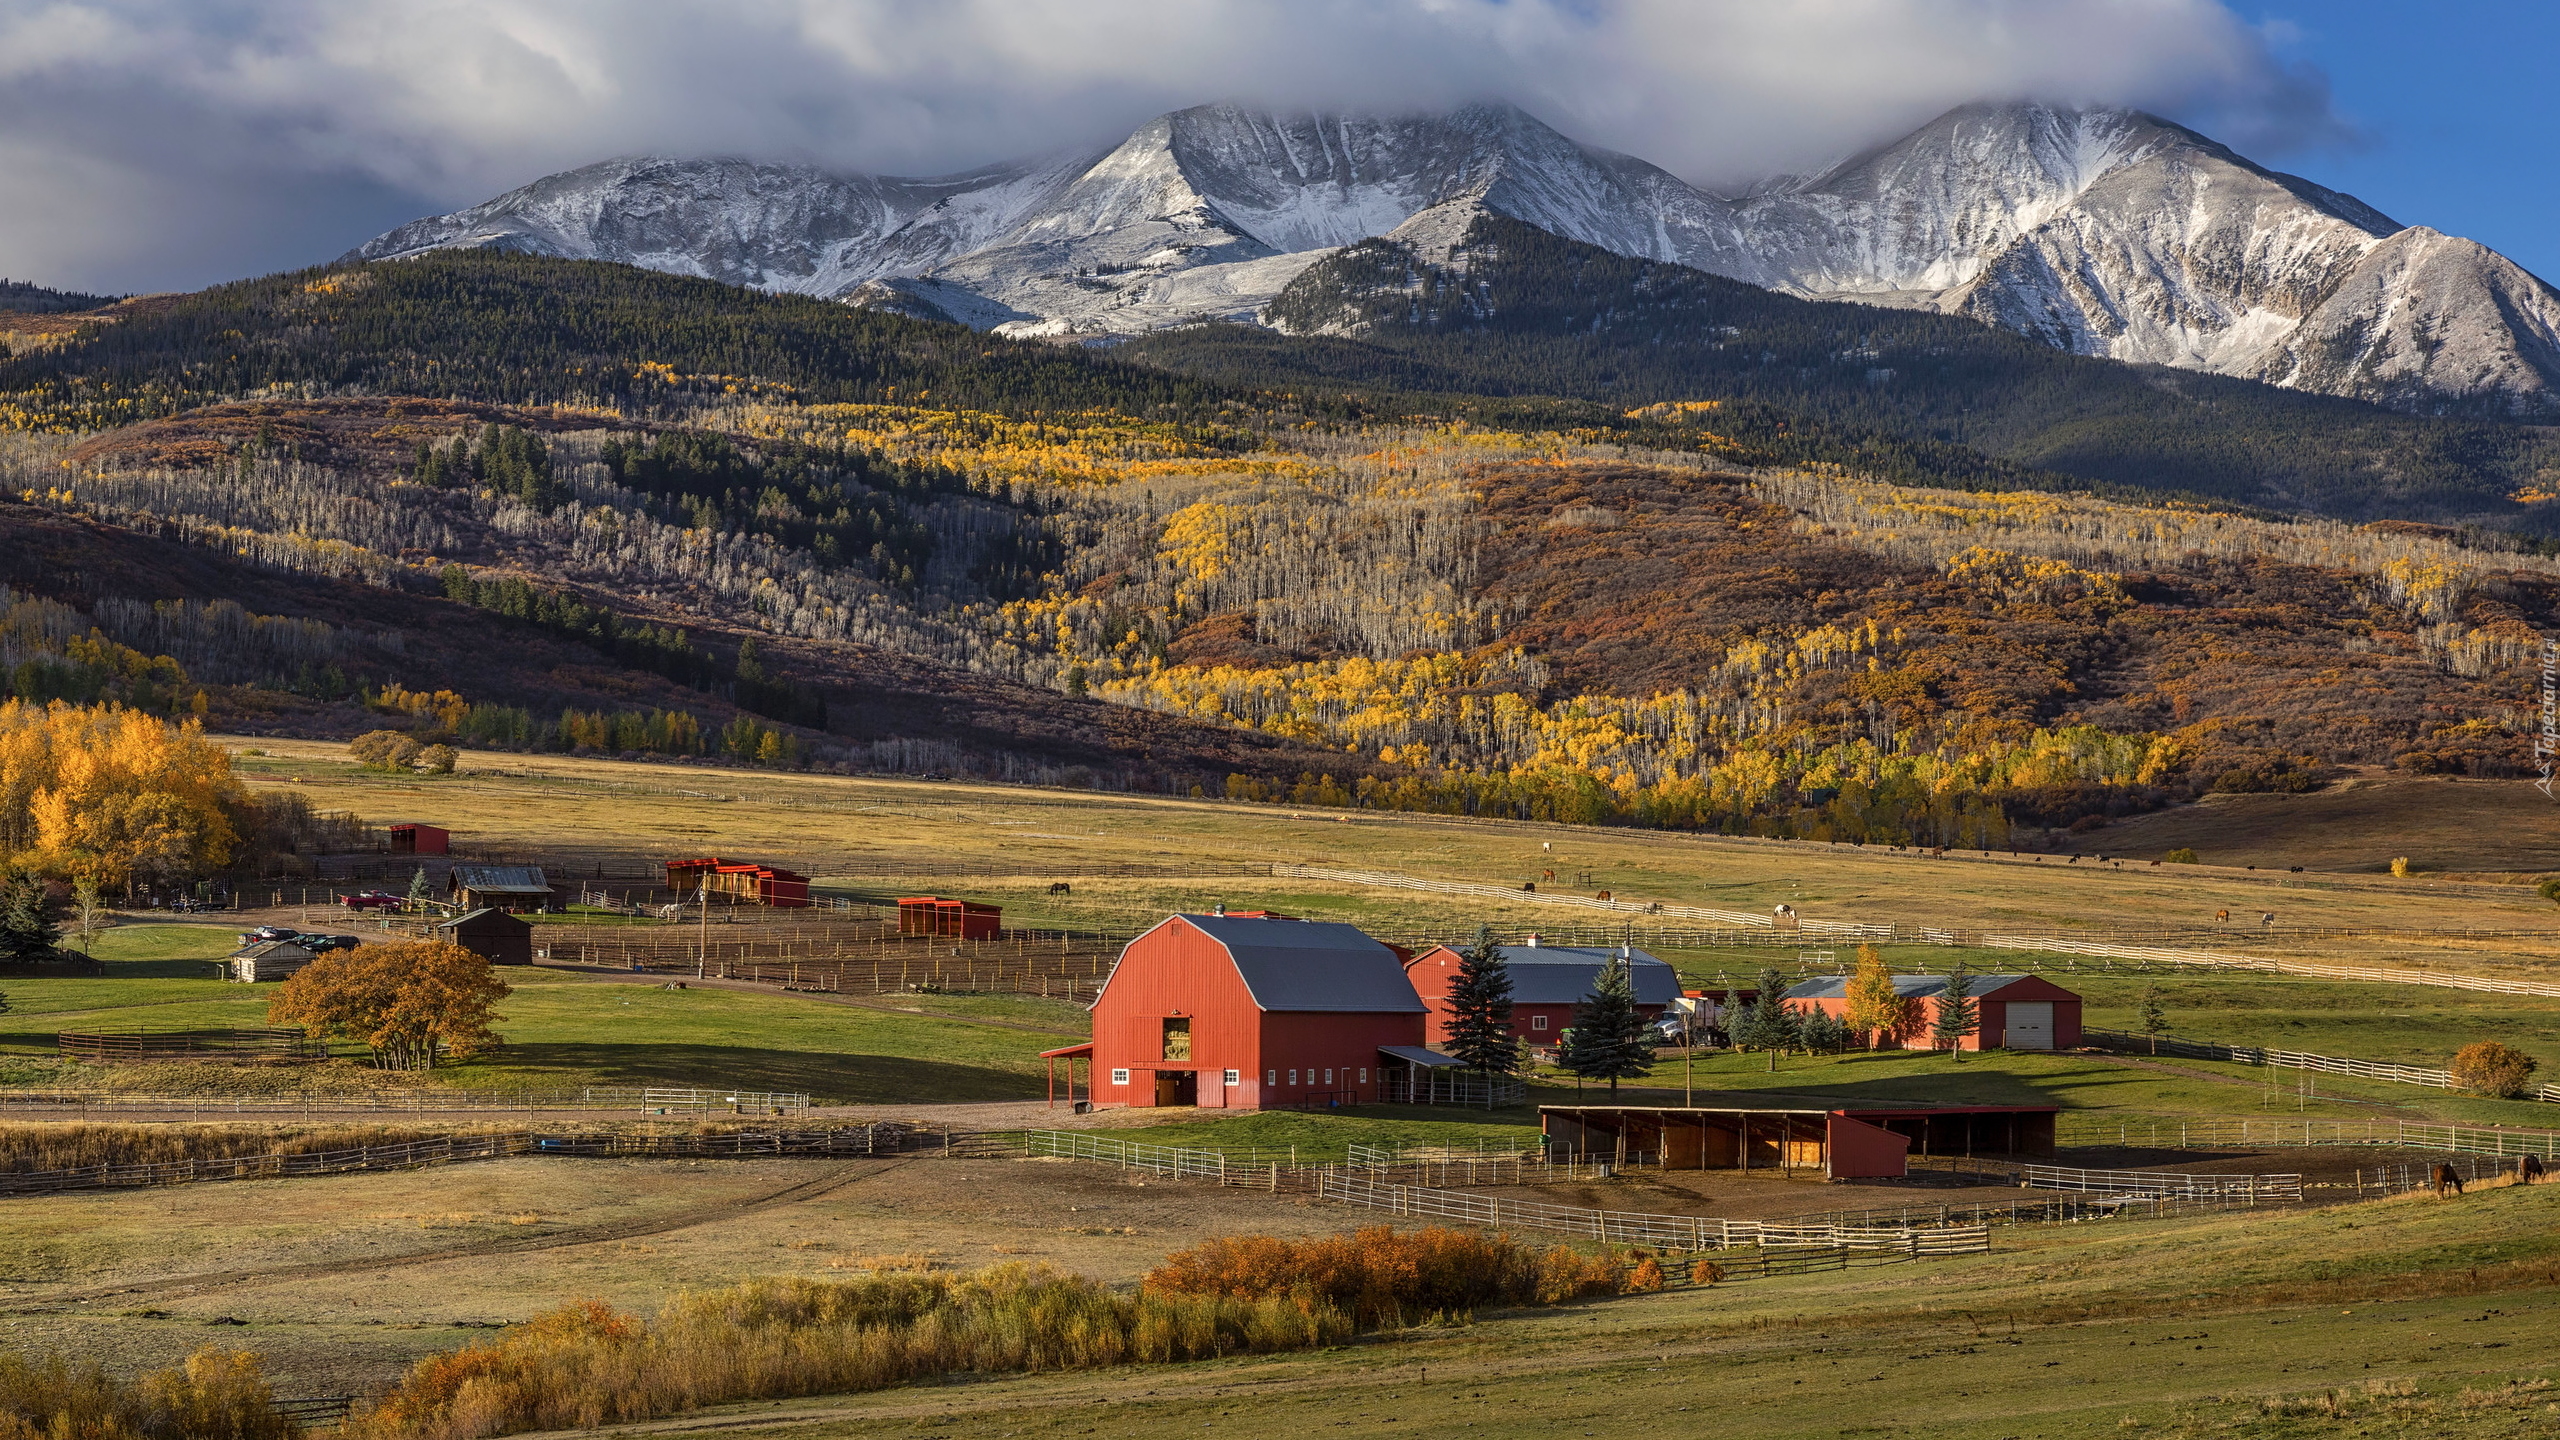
(1241, 1012)
(742, 881)
(2018, 1012)
(413, 839)
(1547, 982)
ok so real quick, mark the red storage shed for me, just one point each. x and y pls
(2018, 1012)
(420, 840)
(1547, 982)
(1243, 1012)
(956, 919)
(744, 882)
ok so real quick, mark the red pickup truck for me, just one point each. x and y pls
(372, 900)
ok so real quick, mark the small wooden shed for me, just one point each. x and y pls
(957, 919)
(743, 881)
(414, 839)
(499, 887)
(269, 960)
(492, 934)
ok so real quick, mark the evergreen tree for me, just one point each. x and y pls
(1769, 1024)
(1959, 1014)
(418, 885)
(29, 928)
(1876, 1009)
(2153, 1015)
(1608, 1040)
(1480, 1012)
(1730, 1015)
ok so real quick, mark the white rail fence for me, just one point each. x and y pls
(1625, 1227)
(2386, 1070)
(2212, 960)
(2245, 1132)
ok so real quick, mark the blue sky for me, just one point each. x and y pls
(2460, 102)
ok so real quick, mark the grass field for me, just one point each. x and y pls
(2128, 1327)
(813, 822)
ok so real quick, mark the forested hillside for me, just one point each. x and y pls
(685, 520)
(1515, 311)
(30, 299)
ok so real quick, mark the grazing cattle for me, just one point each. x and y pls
(2445, 1179)
(1061, 887)
(2529, 1170)
(1603, 895)
(2075, 859)
(2222, 915)
(1529, 885)
(2296, 870)
(1547, 875)
(2267, 918)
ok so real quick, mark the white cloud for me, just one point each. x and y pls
(151, 143)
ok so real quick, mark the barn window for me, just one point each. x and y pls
(1293, 1077)
(1364, 1074)
(1177, 1039)
(1328, 1077)
(1537, 1022)
(1119, 1077)
(1270, 1077)
(1235, 1077)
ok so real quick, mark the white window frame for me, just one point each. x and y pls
(1537, 1022)
(1293, 1077)
(1328, 1075)
(1235, 1077)
(1270, 1077)
(1364, 1074)
(1119, 1077)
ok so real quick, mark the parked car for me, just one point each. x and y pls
(323, 944)
(372, 900)
(265, 933)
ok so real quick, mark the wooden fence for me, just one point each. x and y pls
(2385, 1070)
(839, 1142)
(2250, 1132)
(660, 1098)
(109, 1046)
(1624, 1227)
(2247, 1189)
(2212, 960)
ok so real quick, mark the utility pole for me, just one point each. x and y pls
(702, 931)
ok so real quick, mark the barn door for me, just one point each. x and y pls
(2030, 1025)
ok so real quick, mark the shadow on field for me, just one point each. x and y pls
(856, 1079)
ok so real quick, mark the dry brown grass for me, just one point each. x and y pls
(29, 1147)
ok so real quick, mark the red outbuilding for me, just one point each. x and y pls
(1243, 1012)
(415, 839)
(957, 919)
(743, 882)
(2017, 1012)
(1547, 982)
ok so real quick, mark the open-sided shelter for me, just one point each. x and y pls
(954, 919)
(499, 887)
(2017, 1012)
(1795, 1134)
(744, 882)
(415, 839)
(493, 935)
(1547, 982)
(1244, 1012)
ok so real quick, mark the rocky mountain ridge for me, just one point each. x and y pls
(2102, 232)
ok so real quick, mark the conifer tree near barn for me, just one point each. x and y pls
(1959, 1014)
(1608, 1040)
(29, 929)
(1768, 1024)
(2152, 1014)
(1479, 1030)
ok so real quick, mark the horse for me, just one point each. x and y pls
(2222, 915)
(2529, 1170)
(1547, 875)
(1061, 887)
(2445, 1179)
(1603, 895)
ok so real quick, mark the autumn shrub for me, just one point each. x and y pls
(26, 1148)
(586, 1364)
(2549, 889)
(2400, 867)
(438, 759)
(1382, 1276)
(2491, 1068)
(216, 1395)
(409, 1000)
(384, 749)
(2183, 855)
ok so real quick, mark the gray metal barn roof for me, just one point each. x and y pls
(1311, 964)
(1910, 987)
(501, 879)
(1564, 974)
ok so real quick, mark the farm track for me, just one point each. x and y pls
(182, 1286)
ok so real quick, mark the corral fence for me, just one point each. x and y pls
(315, 1412)
(1280, 1169)
(2396, 1074)
(2247, 1189)
(107, 1046)
(853, 1141)
(842, 957)
(2228, 1133)
(661, 1098)
(1666, 1232)
(2212, 960)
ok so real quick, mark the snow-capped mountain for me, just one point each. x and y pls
(2104, 232)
